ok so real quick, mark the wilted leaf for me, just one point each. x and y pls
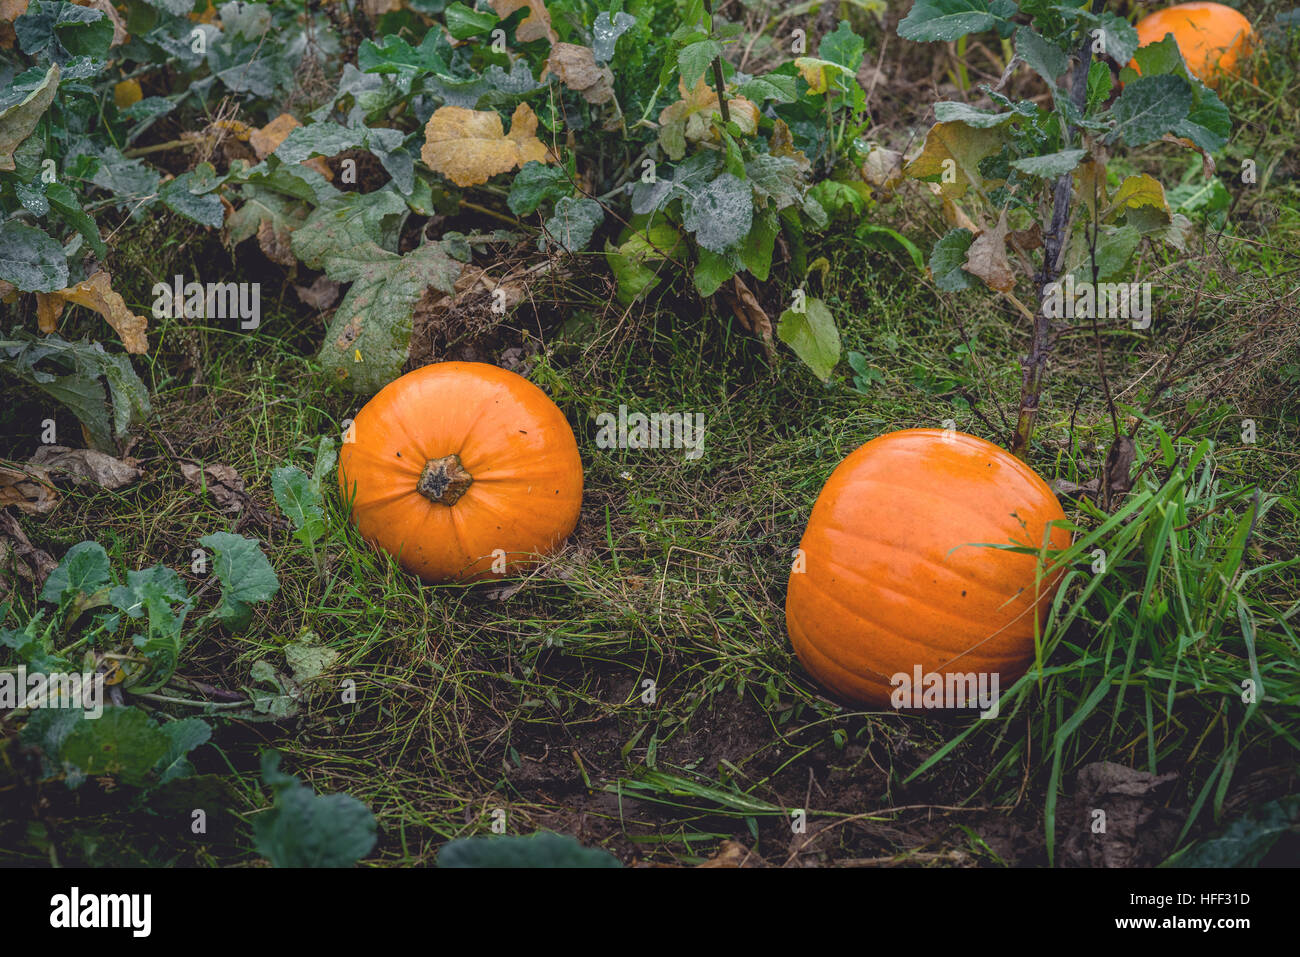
(86, 466)
(18, 121)
(576, 67)
(690, 119)
(986, 257)
(952, 154)
(1138, 190)
(751, 316)
(308, 661)
(126, 93)
(97, 293)
(18, 556)
(321, 294)
(222, 483)
(469, 147)
(883, 168)
(30, 490)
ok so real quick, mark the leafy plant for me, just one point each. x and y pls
(306, 829)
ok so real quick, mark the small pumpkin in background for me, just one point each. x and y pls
(463, 471)
(1210, 36)
(893, 573)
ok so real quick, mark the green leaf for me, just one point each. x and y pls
(756, 251)
(64, 202)
(1118, 36)
(770, 86)
(843, 47)
(777, 181)
(394, 55)
(70, 373)
(813, 336)
(695, 58)
(946, 260)
(31, 259)
(301, 502)
(1046, 59)
(369, 337)
(606, 31)
(1050, 165)
(572, 225)
(946, 20)
(18, 120)
(245, 575)
(713, 269)
(183, 736)
(1158, 59)
(62, 31)
(636, 262)
(948, 111)
(542, 849)
(83, 571)
(463, 23)
(868, 230)
(347, 221)
(535, 184)
(1208, 124)
(304, 829)
(1099, 85)
(308, 661)
(122, 742)
(719, 213)
(1247, 841)
(151, 593)
(204, 208)
(1149, 107)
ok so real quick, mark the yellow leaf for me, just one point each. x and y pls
(1139, 190)
(814, 73)
(691, 118)
(268, 139)
(532, 27)
(952, 153)
(126, 93)
(95, 293)
(469, 147)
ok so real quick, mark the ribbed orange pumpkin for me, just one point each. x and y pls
(459, 465)
(894, 577)
(1210, 37)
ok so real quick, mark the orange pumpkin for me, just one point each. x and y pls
(893, 575)
(1210, 37)
(463, 471)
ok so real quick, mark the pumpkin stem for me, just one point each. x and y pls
(444, 480)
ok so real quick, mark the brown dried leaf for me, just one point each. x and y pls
(469, 147)
(577, 69)
(275, 243)
(30, 489)
(532, 27)
(734, 854)
(222, 483)
(87, 466)
(781, 143)
(987, 257)
(1027, 239)
(883, 168)
(321, 294)
(96, 293)
(20, 557)
(1207, 161)
(1119, 465)
(750, 314)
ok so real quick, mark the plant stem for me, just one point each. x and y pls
(1054, 241)
(718, 82)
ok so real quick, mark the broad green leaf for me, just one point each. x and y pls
(183, 736)
(245, 575)
(83, 571)
(463, 23)
(770, 86)
(308, 661)
(1046, 59)
(347, 222)
(713, 269)
(777, 181)
(1050, 165)
(204, 208)
(719, 213)
(694, 59)
(1149, 107)
(756, 250)
(1208, 123)
(638, 261)
(1246, 841)
(946, 20)
(951, 111)
(573, 223)
(301, 502)
(843, 47)
(393, 54)
(31, 259)
(1119, 39)
(305, 829)
(62, 31)
(369, 337)
(542, 849)
(946, 260)
(813, 336)
(123, 742)
(537, 183)
(64, 202)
